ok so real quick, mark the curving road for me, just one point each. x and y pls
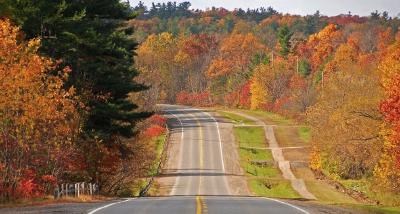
(200, 184)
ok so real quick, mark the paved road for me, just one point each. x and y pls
(200, 183)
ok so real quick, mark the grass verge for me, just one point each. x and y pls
(236, 119)
(263, 179)
(270, 118)
(49, 199)
(273, 188)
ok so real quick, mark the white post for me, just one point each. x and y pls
(66, 190)
(83, 187)
(77, 191)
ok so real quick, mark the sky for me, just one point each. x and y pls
(300, 7)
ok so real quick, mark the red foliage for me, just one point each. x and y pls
(240, 98)
(245, 96)
(50, 179)
(158, 120)
(230, 99)
(154, 131)
(193, 99)
(391, 110)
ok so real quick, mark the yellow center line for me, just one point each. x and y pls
(200, 155)
(199, 208)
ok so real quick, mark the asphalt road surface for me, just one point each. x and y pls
(200, 183)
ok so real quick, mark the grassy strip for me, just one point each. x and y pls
(159, 145)
(273, 188)
(49, 199)
(270, 118)
(305, 134)
(250, 136)
(262, 180)
(236, 119)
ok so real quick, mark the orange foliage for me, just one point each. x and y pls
(388, 172)
(38, 116)
(322, 44)
(235, 54)
(154, 131)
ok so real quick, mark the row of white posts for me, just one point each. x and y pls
(75, 190)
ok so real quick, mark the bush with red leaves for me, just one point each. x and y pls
(193, 99)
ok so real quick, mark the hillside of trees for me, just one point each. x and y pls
(340, 75)
(80, 79)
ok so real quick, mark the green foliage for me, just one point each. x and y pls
(259, 58)
(89, 37)
(304, 68)
(284, 36)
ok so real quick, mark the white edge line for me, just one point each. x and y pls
(287, 204)
(173, 191)
(109, 205)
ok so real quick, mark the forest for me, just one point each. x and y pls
(340, 75)
(80, 81)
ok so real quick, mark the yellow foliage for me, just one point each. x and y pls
(258, 94)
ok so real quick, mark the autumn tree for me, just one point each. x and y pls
(38, 118)
(156, 64)
(345, 123)
(229, 69)
(388, 171)
(91, 38)
(270, 83)
(322, 44)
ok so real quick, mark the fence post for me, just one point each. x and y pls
(56, 192)
(66, 190)
(83, 188)
(79, 188)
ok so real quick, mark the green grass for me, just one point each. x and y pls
(305, 134)
(159, 145)
(270, 118)
(248, 155)
(160, 142)
(237, 119)
(262, 180)
(250, 136)
(272, 188)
